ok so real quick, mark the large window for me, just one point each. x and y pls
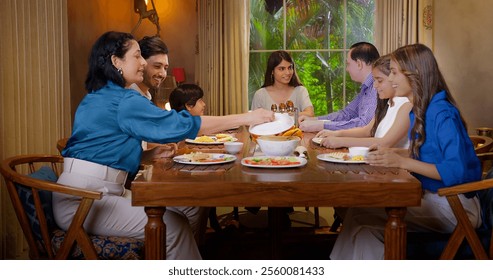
(317, 34)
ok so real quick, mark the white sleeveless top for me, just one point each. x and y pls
(389, 119)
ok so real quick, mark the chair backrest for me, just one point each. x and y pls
(30, 182)
(486, 195)
(60, 144)
(482, 144)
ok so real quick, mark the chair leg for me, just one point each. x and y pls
(463, 230)
(236, 214)
(316, 214)
(213, 220)
(336, 224)
(317, 217)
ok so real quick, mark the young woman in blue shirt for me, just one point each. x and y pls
(440, 155)
(105, 147)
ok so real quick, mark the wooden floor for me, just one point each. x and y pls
(250, 239)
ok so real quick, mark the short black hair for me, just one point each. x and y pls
(364, 51)
(185, 94)
(152, 45)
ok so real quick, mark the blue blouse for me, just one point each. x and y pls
(111, 123)
(447, 145)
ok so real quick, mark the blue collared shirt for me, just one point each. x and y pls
(447, 145)
(111, 123)
(358, 112)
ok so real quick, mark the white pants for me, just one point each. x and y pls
(362, 233)
(114, 215)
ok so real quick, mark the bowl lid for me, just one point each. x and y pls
(282, 123)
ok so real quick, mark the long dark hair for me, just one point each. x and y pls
(419, 65)
(185, 94)
(383, 65)
(101, 69)
(275, 59)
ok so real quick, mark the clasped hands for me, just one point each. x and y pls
(378, 156)
(310, 124)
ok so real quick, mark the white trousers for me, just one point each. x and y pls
(362, 235)
(114, 215)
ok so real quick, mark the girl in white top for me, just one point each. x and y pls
(389, 126)
(281, 84)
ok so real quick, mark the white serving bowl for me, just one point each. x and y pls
(278, 145)
(233, 147)
(358, 151)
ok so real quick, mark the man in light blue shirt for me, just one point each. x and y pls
(361, 110)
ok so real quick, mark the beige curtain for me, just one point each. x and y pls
(403, 22)
(222, 55)
(34, 93)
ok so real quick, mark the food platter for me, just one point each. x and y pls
(212, 140)
(273, 161)
(338, 157)
(204, 158)
(282, 122)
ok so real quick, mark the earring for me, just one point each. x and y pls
(120, 70)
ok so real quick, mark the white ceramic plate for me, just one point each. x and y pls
(317, 140)
(216, 142)
(335, 157)
(282, 123)
(218, 159)
(266, 161)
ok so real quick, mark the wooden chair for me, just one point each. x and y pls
(31, 199)
(60, 144)
(464, 229)
(426, 245)
(482, 144)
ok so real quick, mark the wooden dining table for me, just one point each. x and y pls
(165, 182)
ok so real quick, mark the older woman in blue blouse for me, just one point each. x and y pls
(440, 155)
(105, 147)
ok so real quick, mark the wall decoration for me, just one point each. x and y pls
(428, 17)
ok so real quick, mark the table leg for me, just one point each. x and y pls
(395, 234)
(274, 215)
(155, 234)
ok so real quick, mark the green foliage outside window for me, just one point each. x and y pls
(313, 32)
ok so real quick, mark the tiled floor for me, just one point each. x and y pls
(250, 239)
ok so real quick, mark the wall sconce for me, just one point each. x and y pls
(140, 7)
(179, 74)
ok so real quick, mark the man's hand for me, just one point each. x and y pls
(312, 125)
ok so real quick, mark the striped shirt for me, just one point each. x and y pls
(358, 112)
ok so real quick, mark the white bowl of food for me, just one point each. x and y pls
(278, 145)
(358, 153)
(233, 147)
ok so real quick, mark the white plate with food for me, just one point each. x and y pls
(282, 123)
(317, 140)
(273, 162)
(212, 139)
(204, 158)
(341, 157)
